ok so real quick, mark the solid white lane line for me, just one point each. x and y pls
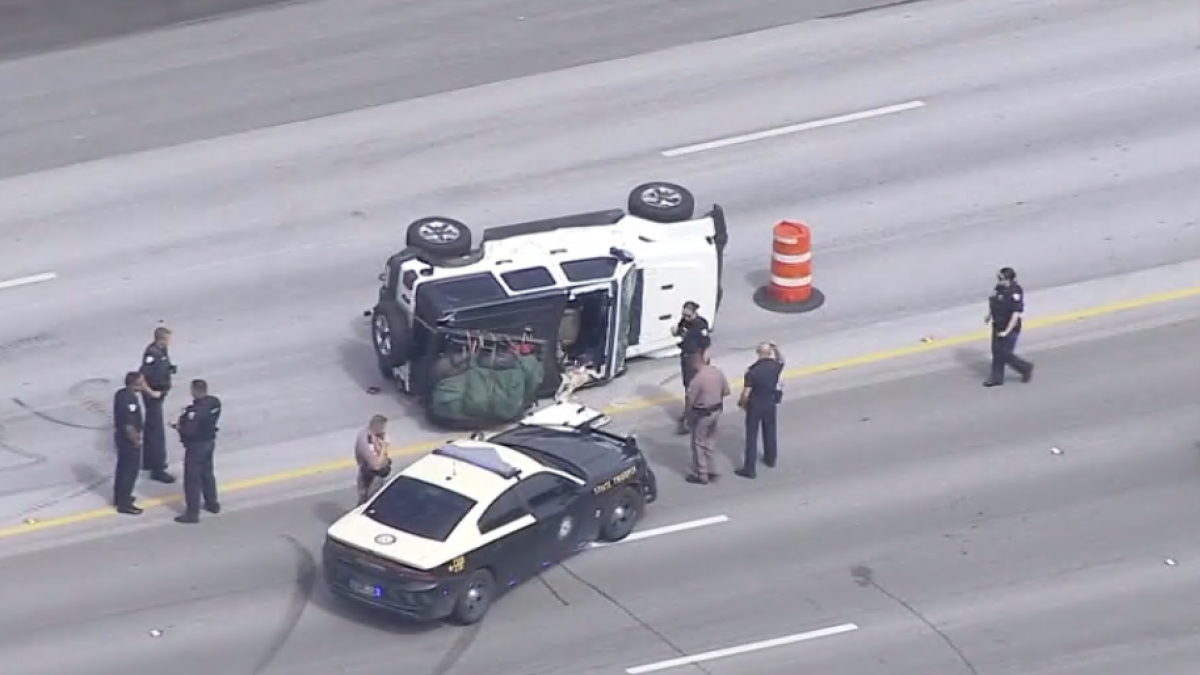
(25, 281)
(743, 649)
(793, 128)
(666, 529)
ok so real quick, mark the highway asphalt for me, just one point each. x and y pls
(934, 515)
(243, 179)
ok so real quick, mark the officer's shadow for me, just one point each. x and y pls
(90, 479)
(977, 362)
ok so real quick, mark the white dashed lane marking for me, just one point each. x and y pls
(25, 281)
(792, 129)
(667, 529)
(742, 649)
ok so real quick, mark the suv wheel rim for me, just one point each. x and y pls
(383, 337)
(662, 197)
(439, 232)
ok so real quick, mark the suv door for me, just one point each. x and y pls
(620, 319)
(563, 521)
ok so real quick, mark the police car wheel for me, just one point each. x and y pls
(662, 202)
(475, 598)
(439, 237)
(622, 514)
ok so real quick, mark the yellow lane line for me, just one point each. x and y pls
(34, 525)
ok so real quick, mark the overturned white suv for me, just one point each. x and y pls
(481, 331)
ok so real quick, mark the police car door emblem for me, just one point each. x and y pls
(565, 528)
(385, 539)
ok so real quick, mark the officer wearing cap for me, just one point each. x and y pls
(197, 427)
(692, 331)
(1005, 308)
(127, 436)
(157, 369)
(761, 394)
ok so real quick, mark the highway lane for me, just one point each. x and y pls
(261, 248)
(201, 79)
(915, 504)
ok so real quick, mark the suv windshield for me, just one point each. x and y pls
(419, 508)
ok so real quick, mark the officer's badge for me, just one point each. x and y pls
(132, 407)
(149, 360)
(1016, 296)
(191, 415)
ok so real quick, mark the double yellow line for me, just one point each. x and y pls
(33, 525)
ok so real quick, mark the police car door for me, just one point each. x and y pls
(620, 316)
(561, 509)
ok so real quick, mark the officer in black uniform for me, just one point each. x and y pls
(197, 427)
(158, 369)
(692, 331)
(127, 436)
(1005, 307)
(761, 394)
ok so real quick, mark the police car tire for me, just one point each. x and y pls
(422, 235)
(465, 611)
(397, 327)
(615, 525)
(662, 202)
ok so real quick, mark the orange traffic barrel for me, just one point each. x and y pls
(791, 263)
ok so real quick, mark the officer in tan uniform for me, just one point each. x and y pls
(705, 400)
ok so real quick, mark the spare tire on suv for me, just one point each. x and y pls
(662, 202)
(439, 237)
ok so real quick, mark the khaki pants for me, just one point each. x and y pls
(704, 431)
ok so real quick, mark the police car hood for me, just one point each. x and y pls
(361, 532)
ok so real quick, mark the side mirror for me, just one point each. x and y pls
(382, 277)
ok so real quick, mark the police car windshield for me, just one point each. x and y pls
(419, 508)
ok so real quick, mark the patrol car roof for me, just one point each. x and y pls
(592, 453)
(474, 469)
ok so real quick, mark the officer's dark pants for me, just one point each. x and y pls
(154, 455)
(760, 416)
(1004, 354)
(199, 481)
(129, 461)
(687, 368)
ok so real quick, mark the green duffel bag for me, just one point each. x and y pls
(448, 397)
(534, 373)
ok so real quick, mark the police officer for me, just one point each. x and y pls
(760, 396)
(197, 427)
(1005, 307)
(157, 369)
(127, 436)
(705, 400)
(692, 331)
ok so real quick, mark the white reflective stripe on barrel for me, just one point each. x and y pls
(792, 259)
(791, 283)
(781, 239)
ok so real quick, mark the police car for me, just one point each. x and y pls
(454, 530)
(595, 288)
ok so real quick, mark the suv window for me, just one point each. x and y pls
(545, 490)
(589, 269)
(419, 508)
(507, 508)
(528, 279)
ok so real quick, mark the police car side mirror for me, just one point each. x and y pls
(382, 278)
(477, 436)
